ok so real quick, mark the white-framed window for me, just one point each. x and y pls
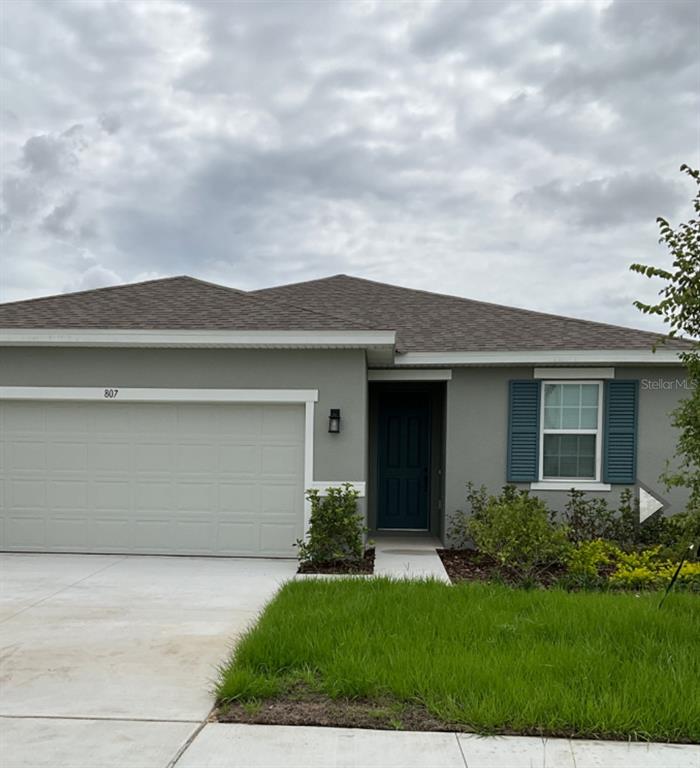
(571, 431)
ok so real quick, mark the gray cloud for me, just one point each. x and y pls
(610, 202)
(511, 151)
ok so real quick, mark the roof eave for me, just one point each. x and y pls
(662, 356)
(233, 339)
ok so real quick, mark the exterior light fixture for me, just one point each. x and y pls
(334, 421)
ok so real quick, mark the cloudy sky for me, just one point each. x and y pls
(515, 152)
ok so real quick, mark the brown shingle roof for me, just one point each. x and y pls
(425, 322)
(432, 322)
(176, 303)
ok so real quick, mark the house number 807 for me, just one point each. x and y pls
(110, 394)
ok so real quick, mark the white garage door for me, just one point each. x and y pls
(151, 478)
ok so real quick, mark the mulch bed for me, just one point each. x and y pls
(472, 565)
(366, 565)
(301, 708)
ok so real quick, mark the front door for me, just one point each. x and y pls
(403, 471)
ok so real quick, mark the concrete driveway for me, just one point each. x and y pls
(109, 660)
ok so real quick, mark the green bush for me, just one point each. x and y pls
(336, 531)
(589, 562)
(517, 530)
(649, 570)
(596, 564)
(458, 529)
(588, 519)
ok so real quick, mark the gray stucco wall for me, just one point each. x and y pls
(477, 430)
(339, 375)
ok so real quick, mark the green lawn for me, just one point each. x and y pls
(483, 657)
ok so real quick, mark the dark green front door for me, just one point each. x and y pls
(403, 471)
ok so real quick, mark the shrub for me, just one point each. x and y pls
(647, 570)
(458, 530)
(518, 532)
(588, 562)
(588, 519)
(336, 531)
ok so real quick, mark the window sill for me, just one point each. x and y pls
(567, 485)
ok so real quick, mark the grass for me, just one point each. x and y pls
(481, 657)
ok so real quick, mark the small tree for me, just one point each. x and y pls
(679, 306)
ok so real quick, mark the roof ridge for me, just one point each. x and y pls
(106, 288)
(537, 313)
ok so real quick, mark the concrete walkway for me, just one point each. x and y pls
(408, 557)
(269, 746)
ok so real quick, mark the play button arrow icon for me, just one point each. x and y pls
(648, 504)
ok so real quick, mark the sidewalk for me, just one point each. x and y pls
(221, 745)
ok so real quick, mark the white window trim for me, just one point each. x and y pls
(305, 397)
(566, 483)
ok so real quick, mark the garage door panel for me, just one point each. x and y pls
(27, 530)
(281, 421)
(71, 418)
(236, 536)
(114, 419)
(279, 498)
(146, 420)
(196, 458)
(281, 460)
(110, 457)
(154, 496)
(23, 417)
(110, 534)
(69, 534)
(110, 494)
(67, 456)
(240, 459)
(239, 498)
(195, 535)
(26, 455)
(26, 493)
(166, 478)
(153, 457)
(240, 421)
(275, 537)
(68, 494)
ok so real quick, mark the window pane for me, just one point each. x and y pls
(571, 394)
(552, 394)
(570, 456)
(589, 417)
(570, 419)
(589, 394)
(552, 418)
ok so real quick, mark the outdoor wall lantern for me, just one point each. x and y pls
(334, 421)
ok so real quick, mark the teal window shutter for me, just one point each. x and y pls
(620, 439)
(523, 431)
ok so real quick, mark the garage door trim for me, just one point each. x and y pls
(107, 395)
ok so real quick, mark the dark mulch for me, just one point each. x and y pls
(472, 565)
(366, 565)
(316, 709)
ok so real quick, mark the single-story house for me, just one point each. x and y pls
(176, 416)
